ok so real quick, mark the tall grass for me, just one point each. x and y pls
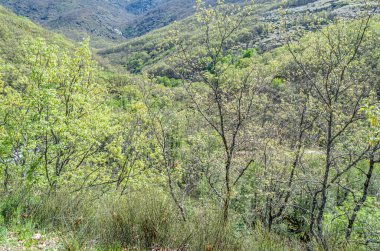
(144, 220)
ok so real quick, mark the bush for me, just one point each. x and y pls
(8, 209)
(138, 220)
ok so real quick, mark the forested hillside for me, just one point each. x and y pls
(246, 126)
(16, 31)
(106, 21)
(260, 32)
(112, 21)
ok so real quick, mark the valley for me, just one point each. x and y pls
(167, 125)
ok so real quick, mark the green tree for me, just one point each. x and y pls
(57, 124)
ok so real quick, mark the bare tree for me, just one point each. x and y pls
(223, 95)
(339, 86)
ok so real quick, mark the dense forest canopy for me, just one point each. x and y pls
(246, 126)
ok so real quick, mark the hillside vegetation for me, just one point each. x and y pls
(247, 127)
(16, 31)
(259, 32)
(106, 22)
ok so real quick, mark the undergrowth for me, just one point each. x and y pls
(144, 220)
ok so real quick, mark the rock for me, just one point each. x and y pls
(37, 237)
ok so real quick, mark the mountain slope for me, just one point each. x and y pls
(260, 32)
(105, 21)
(17, 32)
(75, 19)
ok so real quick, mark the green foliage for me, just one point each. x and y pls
(168, 82)
(53, 120)
(277, 82)
(248, 53)
(368, 218)
(9, 208)
(110, 160)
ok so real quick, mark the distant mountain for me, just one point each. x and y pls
(111, 22)
(153, 14)
(104, 20)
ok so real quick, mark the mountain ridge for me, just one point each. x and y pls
(105, 21)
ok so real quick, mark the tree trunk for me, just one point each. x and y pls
(325, 182)
(361, 201)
